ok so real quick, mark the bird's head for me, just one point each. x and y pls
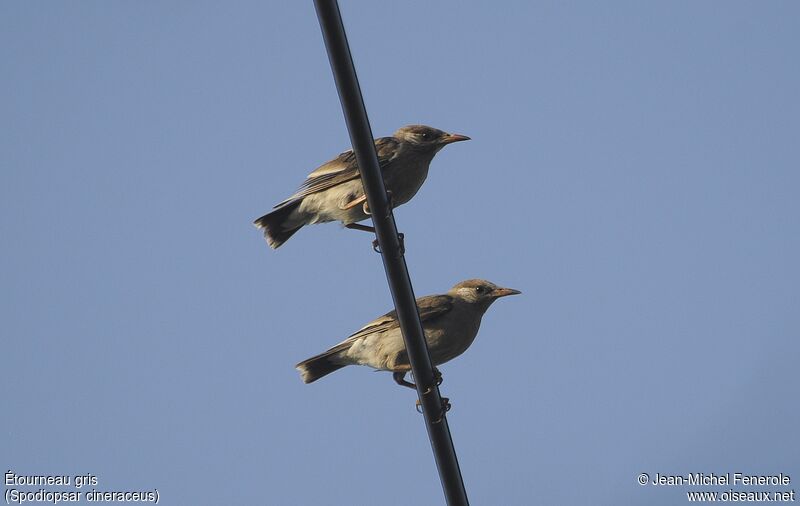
(480, 291)
(427, 138)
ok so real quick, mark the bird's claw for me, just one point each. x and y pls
(437, 377)
(445, 408)
(389, 201)
(400, 237)
(445, 405)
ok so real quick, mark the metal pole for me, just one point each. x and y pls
(394, 263)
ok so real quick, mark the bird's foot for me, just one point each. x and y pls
(445, 408)
(400, 378)
(400, 237)
(437, 377)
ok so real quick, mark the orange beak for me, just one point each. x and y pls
(502, 292)
(451, 138)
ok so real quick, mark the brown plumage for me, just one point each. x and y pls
(450, 322)
(333, 192)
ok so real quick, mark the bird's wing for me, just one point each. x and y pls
(341, 169)
(430, 308)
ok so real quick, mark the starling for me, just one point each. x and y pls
(333, 192)
(450, 322)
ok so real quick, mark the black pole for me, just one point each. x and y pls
(394, 263)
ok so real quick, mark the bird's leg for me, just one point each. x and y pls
(400, 379)
(358, 226)
(367, 228)
(375, 245)
(353, 203)
(400, 236)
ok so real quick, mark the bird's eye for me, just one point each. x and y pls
(479, 289)
(424, 136)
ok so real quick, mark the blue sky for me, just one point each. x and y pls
(633, 170)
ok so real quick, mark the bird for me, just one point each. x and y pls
(450, 322)
(333, 192)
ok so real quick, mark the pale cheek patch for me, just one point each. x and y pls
(467, 293)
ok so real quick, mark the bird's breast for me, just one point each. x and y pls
(404, 178)
(451, 335)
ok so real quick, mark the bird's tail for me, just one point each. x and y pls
(275, 227)
(318, 366)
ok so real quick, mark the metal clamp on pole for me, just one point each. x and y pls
(391, 249)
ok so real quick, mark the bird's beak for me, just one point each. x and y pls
(451, 138)
(502, 292)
